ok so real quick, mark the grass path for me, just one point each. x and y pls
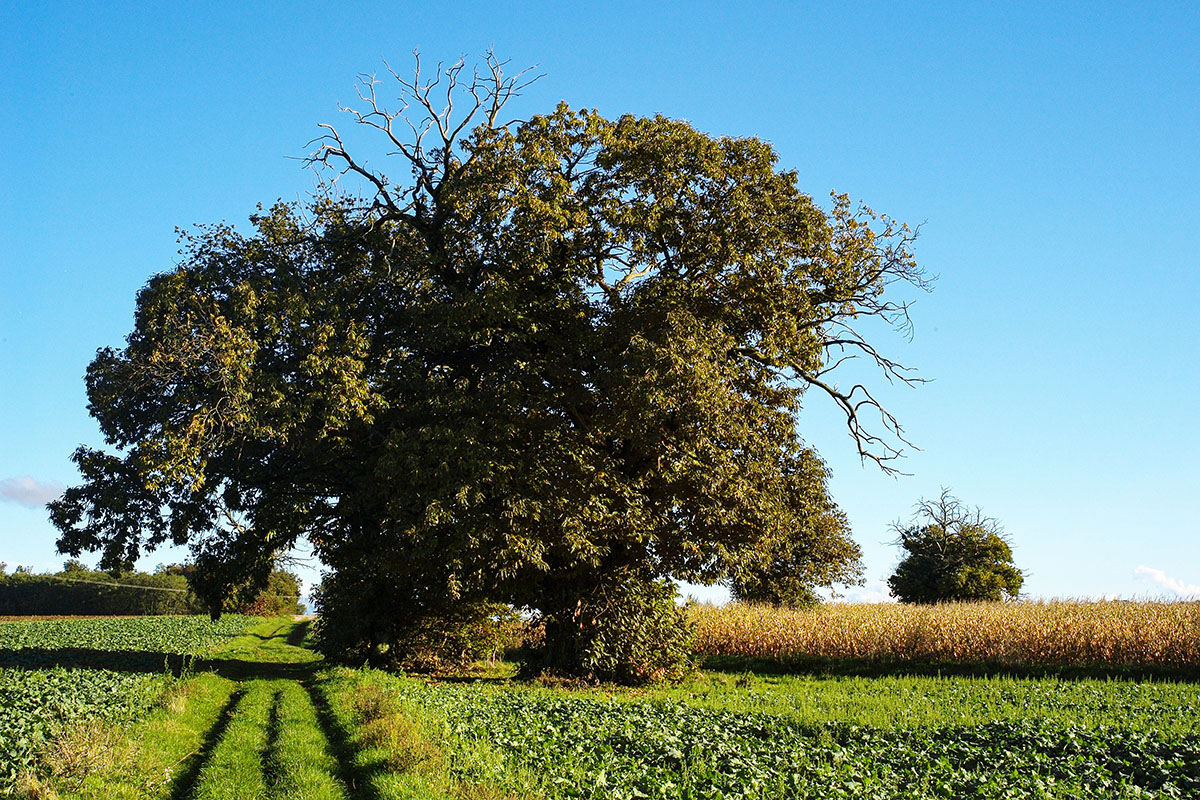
(246, 728)
(264, 719)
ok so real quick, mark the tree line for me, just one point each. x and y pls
(76, 590)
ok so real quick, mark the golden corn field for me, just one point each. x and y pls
(1113, 633)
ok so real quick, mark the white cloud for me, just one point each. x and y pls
(1174, 585)
(28, 492)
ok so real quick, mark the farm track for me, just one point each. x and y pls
(250, 721)
(274, 738)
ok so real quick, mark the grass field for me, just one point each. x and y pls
(262, 717)
(38, 705)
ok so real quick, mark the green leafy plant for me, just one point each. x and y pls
(629, 631)
(953, 554)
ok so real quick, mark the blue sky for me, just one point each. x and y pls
(1051, 153)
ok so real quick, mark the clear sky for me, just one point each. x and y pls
(1051, 152)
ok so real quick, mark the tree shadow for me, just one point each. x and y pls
(272, 767)
(150, 661)
(866, 668)
(296, 637)
(357, 779)
(183, 786)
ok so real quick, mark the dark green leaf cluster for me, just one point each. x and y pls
(568, 354)
(953, 554)
(79, 591)
(362, 617)
(91, 592)
(583, 747)
(35, 706)
(631, 631)
(788, 570)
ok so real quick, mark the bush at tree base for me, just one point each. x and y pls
(628, 629)
(361, 621)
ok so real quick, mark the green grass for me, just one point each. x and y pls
(269, 641)
(299, 763)
(163, 752)
(728, 736)
(272, 747)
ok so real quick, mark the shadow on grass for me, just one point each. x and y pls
(863, 668)
(296, 637)
(185, 784)
(272, 767)
(355, 778)
(150, 661)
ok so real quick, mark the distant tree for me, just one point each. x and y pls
(279, 596)
(554, 363)
(953, 553)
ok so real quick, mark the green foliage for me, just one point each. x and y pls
(35, 706)
(77, 590)
(280, 597)
(567, 349)
(628, 629)
(352, 627)
(790, 569)
(622, 748)
(953, 554)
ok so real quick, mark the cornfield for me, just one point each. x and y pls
(1160, 635)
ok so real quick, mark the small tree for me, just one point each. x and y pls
(953, 554)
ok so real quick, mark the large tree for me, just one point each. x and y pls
(557, 365)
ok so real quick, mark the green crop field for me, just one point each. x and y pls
(262, 717)
(175, 635)
(36, 705)
(741, 737)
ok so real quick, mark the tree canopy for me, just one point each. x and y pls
(562, 360)
(953, 553)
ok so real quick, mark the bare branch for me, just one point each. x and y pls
(425, 105)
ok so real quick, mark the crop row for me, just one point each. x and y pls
(1053, 634)
(587, 747)
(35, 705)
(174, 635)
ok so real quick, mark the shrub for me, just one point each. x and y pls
(953, 554)
(416, 636)
(627, 631)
